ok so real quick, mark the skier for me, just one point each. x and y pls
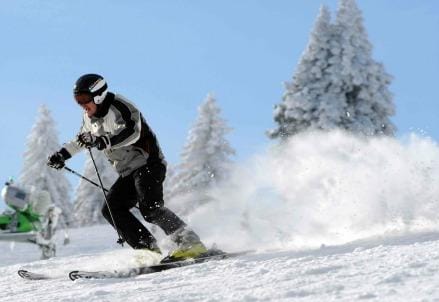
(112, 124)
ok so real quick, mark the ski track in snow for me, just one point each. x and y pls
(398, 268)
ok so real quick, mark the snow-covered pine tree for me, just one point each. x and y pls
(364, 82)
(205, 159)
(42, 142)
(309, 101)
(337, 83)
(89, 199)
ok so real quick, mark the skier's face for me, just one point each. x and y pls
(86, 102)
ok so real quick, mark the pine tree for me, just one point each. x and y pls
(89, 199)
(205, 159)
(364, 82)
(337, 84)
(42, 142)
(309, 101)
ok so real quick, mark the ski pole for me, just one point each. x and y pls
(120, 241)
(89, 180)
(84, 178)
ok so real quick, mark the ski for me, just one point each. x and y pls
(132, 272)
(33, 276)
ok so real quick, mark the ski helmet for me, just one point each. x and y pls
(92, 84)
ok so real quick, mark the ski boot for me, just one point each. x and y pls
(189, 246)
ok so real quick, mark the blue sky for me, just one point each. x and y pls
(167, 55)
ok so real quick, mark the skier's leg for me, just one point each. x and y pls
(121, 198)
(149, 186)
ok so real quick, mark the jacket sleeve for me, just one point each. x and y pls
(72, 147)
(127, 124)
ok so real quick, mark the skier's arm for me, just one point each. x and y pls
(71, 148)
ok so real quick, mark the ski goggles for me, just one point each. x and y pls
(83, 99)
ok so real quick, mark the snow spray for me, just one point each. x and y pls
(324, 188)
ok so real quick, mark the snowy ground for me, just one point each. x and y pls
(393, 268)
(332, 217)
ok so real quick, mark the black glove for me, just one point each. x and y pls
(56, 160)
(89, 140)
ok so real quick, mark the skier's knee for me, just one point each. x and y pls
(152, 215)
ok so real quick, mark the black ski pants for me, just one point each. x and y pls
(143, 186)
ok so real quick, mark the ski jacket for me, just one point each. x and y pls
(130, 141)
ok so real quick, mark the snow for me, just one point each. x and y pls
(331, 216)
(387, 268)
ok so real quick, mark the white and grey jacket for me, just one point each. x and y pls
(130, 141)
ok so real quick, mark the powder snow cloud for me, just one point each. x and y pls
(325, 188)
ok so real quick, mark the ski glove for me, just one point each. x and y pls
(89, 140)
(56, 160)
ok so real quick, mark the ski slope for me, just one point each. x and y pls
(392, 268)
(331, 217)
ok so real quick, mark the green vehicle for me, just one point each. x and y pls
(22, 218)
(19, 221)
(31, 218)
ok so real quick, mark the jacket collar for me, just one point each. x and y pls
(104, 106)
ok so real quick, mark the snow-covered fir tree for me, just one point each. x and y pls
(309, 100)
(337, 84)
(205, 159)
(89, 199)
(42, 142)
(365, 83)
